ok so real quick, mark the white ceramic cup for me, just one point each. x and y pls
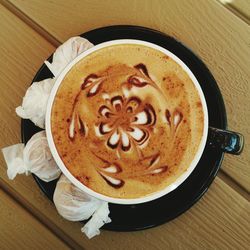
(151, 196)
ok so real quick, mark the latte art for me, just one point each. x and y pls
(127, 120)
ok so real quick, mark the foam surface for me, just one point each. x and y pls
(127, 121)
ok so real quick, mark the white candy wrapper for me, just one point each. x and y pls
(35, 102)
(65, 53)
(99, 218)
(34, 158)
(75, 205)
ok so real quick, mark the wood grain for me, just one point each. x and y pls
(20, 230)
(22, 53)
(215, 34)
(241, 8)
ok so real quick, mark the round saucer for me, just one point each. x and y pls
(168, 207)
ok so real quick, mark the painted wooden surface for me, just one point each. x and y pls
(220, 220)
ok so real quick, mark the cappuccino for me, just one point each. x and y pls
(127, 121)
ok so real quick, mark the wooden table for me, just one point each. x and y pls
(219, 33)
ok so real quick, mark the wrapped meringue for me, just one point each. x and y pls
(75, 205)
(35, 102)
(99, 218)
(34, 158)
(65, 53)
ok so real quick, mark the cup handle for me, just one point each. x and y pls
(225, 140)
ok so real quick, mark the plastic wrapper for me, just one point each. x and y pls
(75, 205)
(35, 102)
(99, 218)
(65, 53)
(34, 158)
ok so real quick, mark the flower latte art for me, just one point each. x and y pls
(127, 121)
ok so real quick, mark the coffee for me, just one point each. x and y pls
(127, 121)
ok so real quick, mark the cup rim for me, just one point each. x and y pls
(151, 196)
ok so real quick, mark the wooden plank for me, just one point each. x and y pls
(241, 8)
(19, 63)
(20, 230)
(215, 34)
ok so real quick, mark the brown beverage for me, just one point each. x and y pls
(127, 121)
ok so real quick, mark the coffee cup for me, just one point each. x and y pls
(109, 166)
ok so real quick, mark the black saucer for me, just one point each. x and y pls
(150, 214)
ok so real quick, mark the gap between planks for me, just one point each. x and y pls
(47, 223)
(30, 22)
(237, 12)
(50, 38)
(54, 41)
(234, 185)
